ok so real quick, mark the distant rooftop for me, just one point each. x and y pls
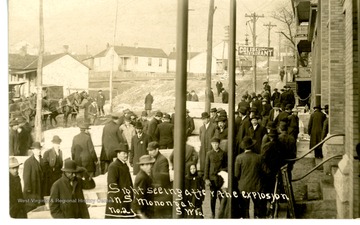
(135, 51)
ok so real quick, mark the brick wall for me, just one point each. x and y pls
(324, 42)
(336, 68)
(352, 99)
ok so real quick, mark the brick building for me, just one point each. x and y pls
(333, 37)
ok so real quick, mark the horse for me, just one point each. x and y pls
(70, 106)
(25, 108)
(54, 109)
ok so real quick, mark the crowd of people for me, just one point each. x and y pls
(266, 131)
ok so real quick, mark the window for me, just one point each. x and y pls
(136, 60)
(160, 62)
(149, 61)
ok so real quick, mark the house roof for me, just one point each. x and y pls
(28, 62)
(191, 55)
(135, 51)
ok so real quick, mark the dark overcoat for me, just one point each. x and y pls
(33, 176)
(165, 134)
(25, 139)
(248, 172)
(293, 128)
(13, 143)
(143, 182)
(191, 157)
(243, 130)
(138, 149)
(17, 208)
(205, 136)
(257, 134)
(225, 97)
(153, 124)
(119, 182)
(315, 127)
(52, 168)
(67, 201)
(111, 137)
(83, 152)
(148, 101)
(190, 126)
(100, 100)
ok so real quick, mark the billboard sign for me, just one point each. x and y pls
(259, 51)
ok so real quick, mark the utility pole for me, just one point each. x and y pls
(226, 39)
(279, 55)
(112, 61)
(38, 133)
(209, 55)
(254, 18)
(269, 25)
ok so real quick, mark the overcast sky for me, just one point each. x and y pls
(150, 23)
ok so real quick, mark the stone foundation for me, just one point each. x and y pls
(341, 182)
(332, 147)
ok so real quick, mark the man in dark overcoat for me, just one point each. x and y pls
(111, 137)
(248, 174)
(243, 129)
(213, 115)
(66, 197)
(216, 161)
(149, 99)
(13, 138)
(143, 181)
(315, 127)
(191, 157)
(243, 103)
(33, 177)
(207, 131)
(165, 133)
(219, 86)
(256, 132)
(161, 179)
(139, 143)
(144, 121)
(293, 128)
(275, 97)
(224, 96)
(53, 162)
(190, 126)
(25, 138)
(120, 195)
(289, 147)
(100, 101)
(83, 151)
(153, 124)
(17, 205)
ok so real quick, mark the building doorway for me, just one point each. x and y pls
(304, 92)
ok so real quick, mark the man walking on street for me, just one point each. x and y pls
(17, 205)
(100, 101)
(315, 127)
(207, 131)
(149, 100)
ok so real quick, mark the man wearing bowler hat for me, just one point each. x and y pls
(144, 121)
(17, 206)
(165, 133)
(66, 197)
(315, 127)
(243, 128)
(13, 138)
(143, 181)
(207, 131)
(161, 179)
(111, 137)
(213, 115)
(275, 97)
(190, 126)
(33, 177)
(120, 186)
(248, 174)
(256, 132)
(216, 161)
(139, 143)
(53, 162)
(153, 124)
(83, 151)
(100, 101)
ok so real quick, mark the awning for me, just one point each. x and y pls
(303, 10)
(21, 71)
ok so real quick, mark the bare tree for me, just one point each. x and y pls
(286, 16)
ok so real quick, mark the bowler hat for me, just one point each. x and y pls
(282, 90)
(221, 119)
(265, 82)
(120, 148)
(204, 115)
(138, 125)
(70, 166)
(153, 145)
(273, 132)
(13, 162)
(166, 116)
(56, 139)
(215, 139)
(220, 109)
(247, 143)
(36, 145)
(115, 115)
(242, 110)
(146, 159)
(84, 126)
(159, 114)
(222, 113)
(213, 110)
(99, 90)
(143, 113)
(275, 89)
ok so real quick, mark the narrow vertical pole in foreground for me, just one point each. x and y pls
(231, 131)
(38, 133)
(180, 100)
(209, 55)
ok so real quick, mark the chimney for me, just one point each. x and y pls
(66, 48)
(136, 45)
